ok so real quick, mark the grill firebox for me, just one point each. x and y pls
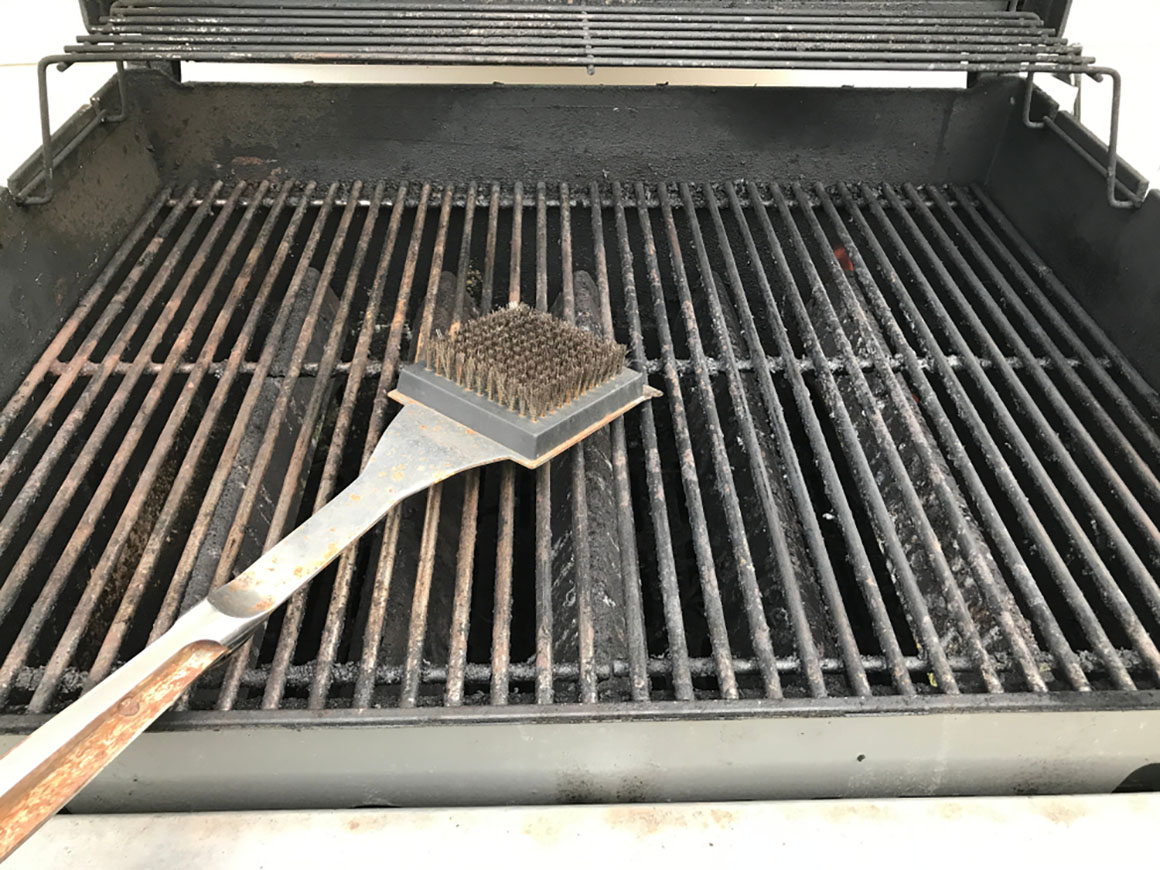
(894, 455)
(889, 529)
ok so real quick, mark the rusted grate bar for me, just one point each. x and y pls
(478, 676)
(893, 455)
(1026, 455)
(652, 366)
(545, 615)
(955, 452)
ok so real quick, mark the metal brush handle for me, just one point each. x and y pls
(40, 775)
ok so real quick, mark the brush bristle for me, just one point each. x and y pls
(525, 360)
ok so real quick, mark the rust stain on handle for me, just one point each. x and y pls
(66, 771)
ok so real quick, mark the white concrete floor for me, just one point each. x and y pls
(953, 834)
(1120, 34)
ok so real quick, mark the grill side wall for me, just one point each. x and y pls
(1109, 257)
(49, 254)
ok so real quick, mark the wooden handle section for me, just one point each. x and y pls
(82, 756)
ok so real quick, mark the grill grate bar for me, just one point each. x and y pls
(964, 624)
(713, 365)
(137, 276)
(136, 587)
(582, 557)
(161, 447)
(461, 613)
(776, 537)
(835, 490)
(605, 43)
(545, 617)
(1121, 444)
(714, 608)
(724, 59)
(578, 198)
(794, 475)
(501, 32)
(861, 10)
(883, 522)
(469, 516)
(625, 520)
(479, 674)
(658, 508)
(505, 534)
(1111, 593)
(1107, 427)
(786, 575)
(955, 451)
(118, 407)
(1125, 550)
(808, 19)
(384, 567)
(500, 29)
(965, 532)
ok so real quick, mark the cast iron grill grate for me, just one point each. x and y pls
(894, 456)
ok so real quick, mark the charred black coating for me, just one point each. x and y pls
(525, 360)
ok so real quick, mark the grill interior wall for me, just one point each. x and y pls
(893, 455)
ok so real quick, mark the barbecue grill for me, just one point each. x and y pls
(891, 529)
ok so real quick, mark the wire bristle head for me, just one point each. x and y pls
(525, 360)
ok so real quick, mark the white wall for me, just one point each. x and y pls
(1120, 33)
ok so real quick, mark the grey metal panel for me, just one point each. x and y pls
(1025, 751)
